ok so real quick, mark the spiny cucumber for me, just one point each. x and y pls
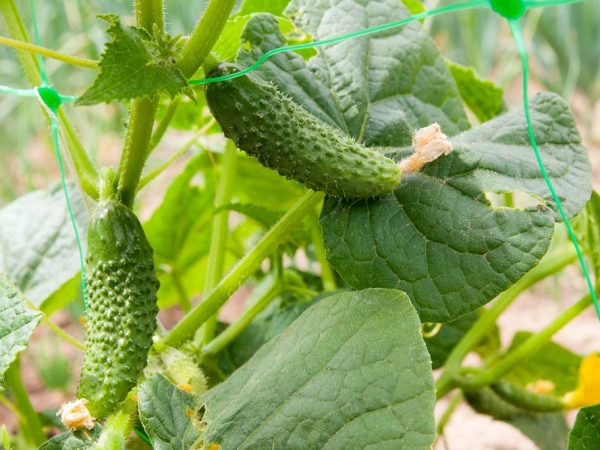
(526, 399)
(266, 124)
(486, 401)
(121, 317)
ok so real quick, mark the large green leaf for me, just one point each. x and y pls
(16, 326)
(347, 85)
(38, 250)
(166, 413)
(131, 67)
(351, 372)
(439, 239)
(585, 434)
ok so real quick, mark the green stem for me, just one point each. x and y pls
(525, 350)
(142, 113)
(204, 36)
(549, 265)
(234, 330)
(63, 334)
(163, 124)
(32, 48)
(220, 232)
(327, 275)
(243, 270)
(86, 172)
(452, 405)
(301, 291)
(147, 178)
(16, 29)
(137, 140)
(30, 424)
(118, 428)
(148, 13)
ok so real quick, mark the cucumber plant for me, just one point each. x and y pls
(376, 230)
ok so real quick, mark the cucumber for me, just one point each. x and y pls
(486, 401)
(121, 317)
(524, 398)
(266, 124)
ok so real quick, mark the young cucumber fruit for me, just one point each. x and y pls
(526, 399)
(121, 316)
(283, 136)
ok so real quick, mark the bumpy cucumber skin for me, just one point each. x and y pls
(121, 317)
(283, 136)
(524, 398)
(486, 401)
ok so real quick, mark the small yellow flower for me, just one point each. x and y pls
(588, 386)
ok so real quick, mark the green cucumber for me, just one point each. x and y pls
(486, 401)
(266, 124)
(524, 398)
(121, 317)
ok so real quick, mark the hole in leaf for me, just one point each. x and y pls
(513, 199)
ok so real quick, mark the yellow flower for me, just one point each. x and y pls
(588, 386)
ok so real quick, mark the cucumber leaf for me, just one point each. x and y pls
(167, 414)
(17, 324)
(73, 440)
(131, 67)
(585, 434)
(351, 372)
(482, 97)
(439, 239)
(38, 250)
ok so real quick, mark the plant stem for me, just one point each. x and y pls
(175, 156)
(86, 172)
(163, 124)
(242, 271)
(452, 405)
(301, 291)
(149, 13)
(234, 330)
(327, 275)
(118, 428)
(549, 265)
(63, 334)
(204, 36)
(32, 48)
(220, 231)
(142, 113)
(526, 349)
(16, 29)
(29, 421)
